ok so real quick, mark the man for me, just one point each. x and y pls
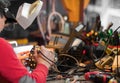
(11, 68)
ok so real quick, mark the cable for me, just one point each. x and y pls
(70, 57)
(71, 63)
(108, 40)
(47, 57)
(54, 67)
(54, 13)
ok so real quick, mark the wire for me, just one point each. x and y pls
(47, 57)
(67, 55)
(108, 40)
(54, 13)
(55, 66)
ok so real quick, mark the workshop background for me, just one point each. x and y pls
(84, 34)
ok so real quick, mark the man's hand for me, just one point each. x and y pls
(43, 55)
(23, 55)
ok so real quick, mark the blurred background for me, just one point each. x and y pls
(73, 13)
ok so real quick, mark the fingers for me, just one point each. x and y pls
(47, 55)
(44, 53)
(26, 55)
(48, 49)
(25, 52)
(23, 55)
(43, 49)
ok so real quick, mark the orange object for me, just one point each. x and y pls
(75, 9)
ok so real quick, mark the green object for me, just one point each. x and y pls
(102, 35)
(110, 32)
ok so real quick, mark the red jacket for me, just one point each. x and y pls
(14, 71)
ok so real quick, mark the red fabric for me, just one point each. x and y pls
(12, 69)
